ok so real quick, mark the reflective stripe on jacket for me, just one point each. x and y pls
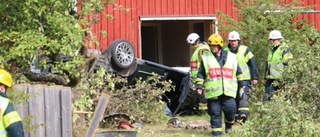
(275, 63)
(220, 80)
(4, 102)
(196, 59)
(242, 60)
(7, 119)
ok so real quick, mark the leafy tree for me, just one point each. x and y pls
(35, 29)
(294, 110)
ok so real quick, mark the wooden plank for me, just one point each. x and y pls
(57, 111)
(183, 7)
(49, 112)
(176, 7)
(205, 7)
(170, 7)
(194, 8)
(98, 114)
(157, 7)
(36, 109)
(23, 109)
(188, 7)
(164, 6)
(66, 113)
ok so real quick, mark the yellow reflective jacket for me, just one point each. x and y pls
(196, 59)
(7, 119)
(220, 80)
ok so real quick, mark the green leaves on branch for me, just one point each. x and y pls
(294, 111)
(48, 28)
(141, 101)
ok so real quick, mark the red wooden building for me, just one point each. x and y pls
(158, 28)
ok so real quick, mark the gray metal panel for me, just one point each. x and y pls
(66, 112)
(36, 109)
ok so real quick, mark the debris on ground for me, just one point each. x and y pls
(138, 125)
(125, 125)
(199, 124)
(117, 120)
(175, 123)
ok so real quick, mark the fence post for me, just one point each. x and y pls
(98, 113)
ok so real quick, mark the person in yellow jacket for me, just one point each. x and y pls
(218, 77)
(199, 48)
(278, 58)
(10, 125)
(249, 69)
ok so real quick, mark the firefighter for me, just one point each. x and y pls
(199, 47)
(11, 125)
(278, 58)
(247, 63)
(217, 78)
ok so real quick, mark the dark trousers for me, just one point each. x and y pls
(224, 104)
(270, 89)
(242, 99)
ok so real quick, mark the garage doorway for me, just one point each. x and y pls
(149, 40)
(163, 40)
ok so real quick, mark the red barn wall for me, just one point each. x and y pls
(126, 25)
(313, 18)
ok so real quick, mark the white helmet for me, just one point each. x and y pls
(233, 35)
(275, 34)
(192, 38)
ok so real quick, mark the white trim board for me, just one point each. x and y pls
(178, 18)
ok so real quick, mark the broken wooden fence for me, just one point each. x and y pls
(51, 109)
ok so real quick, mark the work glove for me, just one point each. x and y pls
(199, 89)
(200, 92)
(241, 92)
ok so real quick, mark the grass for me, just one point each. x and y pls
(161, 130)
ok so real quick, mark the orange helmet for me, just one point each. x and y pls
(215, 39)
(5, 78)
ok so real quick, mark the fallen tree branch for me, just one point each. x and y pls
(46, 77)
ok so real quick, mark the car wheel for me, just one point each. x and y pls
(122, 54)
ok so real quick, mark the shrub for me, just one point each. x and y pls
(142, 101)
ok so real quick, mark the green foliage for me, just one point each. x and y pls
(142, 102)
(255, 24)
(303, 77)
(29, 126)
(20, 98)
(51, 28)
(17, 97)
(44, 28)
(294, 111)
(279, 117)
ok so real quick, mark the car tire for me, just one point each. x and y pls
(122, 54)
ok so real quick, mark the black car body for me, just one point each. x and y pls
(180, 79)
(120, 58)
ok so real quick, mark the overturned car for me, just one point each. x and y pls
(120, 59)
